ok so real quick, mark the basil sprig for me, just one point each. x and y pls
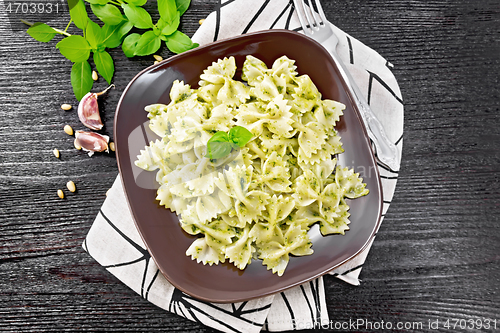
(221, 143)
(118, 18)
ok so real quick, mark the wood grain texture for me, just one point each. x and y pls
(437, 255)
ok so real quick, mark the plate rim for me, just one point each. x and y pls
(365, 135)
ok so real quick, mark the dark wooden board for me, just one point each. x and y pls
(436, 257)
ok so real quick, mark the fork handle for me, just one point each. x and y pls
(387, 152)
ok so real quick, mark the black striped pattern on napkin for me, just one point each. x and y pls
(115, 243)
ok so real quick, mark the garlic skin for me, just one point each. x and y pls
(88, 110)
(92, 142)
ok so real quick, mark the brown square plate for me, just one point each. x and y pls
(159, 227)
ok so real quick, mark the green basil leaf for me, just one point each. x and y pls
(75, 48)
(111, 37)
(179, 42)
(167, 9)
(104, 64)
(81, 79)
(240, 135)
(129, 44)
(94, 34)
(220, 136)
(149, 43)
(113, 34)
(41, 32)
(218, 149)
(125, 28)
(78, 13)
(161, 24)
(109, 14)
(182, 5)
(139, 17)
(137, 2)
(97, 2)
(169, 28)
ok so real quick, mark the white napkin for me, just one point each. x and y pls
(115, 243)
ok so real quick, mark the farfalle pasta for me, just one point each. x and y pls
(260, 201)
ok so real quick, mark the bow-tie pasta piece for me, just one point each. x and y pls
(209, 206)
(154, 110)
(305, 96)
(208, 94)
(275, 254)
(275, 173)
(328, 113)
(218, 72)
(284, 67)
(233, 92)
(332, 146)
(306, 216)
(268, 229)
(252, 116)
(280, 146)
(312, 137)
(241, 250)
(324, 169)
(219, 77)
(268, 87)
(220, 119)
(203, 253)
(307, 188)
(338, 224)
(174, 203)
(151, 157)
(180, 92)
(328, 201)
(350, 183)
(279, 117)
(253, 70)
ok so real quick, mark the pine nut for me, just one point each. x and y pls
(71, 186)
(68, 130)
(201, 21)
(112, 146)
(60, 194)
(66, 107)
(157, 57)
(94, 76)
(56, 152)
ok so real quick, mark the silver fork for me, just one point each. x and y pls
(316, 26)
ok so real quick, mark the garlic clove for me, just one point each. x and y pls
(92, 142)
(88, 110)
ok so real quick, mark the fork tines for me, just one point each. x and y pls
(307, 11)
